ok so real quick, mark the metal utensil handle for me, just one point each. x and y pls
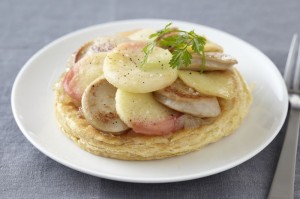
(283, 183)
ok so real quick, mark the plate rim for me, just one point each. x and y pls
(134, 179)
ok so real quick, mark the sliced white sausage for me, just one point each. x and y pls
(98, 106)
(213, 61)
(184, 99)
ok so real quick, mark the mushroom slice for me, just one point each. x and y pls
(98, 107)
(213, 61)
(100, 44)
(182, 98)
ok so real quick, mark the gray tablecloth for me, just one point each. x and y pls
(28, 25)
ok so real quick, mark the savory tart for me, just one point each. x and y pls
(147, 94)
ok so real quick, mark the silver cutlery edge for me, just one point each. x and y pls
(283, 182)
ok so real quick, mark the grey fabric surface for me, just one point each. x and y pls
(28, 25)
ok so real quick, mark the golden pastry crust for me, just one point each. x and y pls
(132, 146)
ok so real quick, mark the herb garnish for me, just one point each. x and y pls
(177, 41)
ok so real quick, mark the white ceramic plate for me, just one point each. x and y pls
(32, 105)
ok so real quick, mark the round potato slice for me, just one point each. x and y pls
(123, 68)
(100, 44)
(142, 35)
(82, 74)
(145, 115)
(215, 83)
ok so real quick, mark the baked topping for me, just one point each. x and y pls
(154, 83)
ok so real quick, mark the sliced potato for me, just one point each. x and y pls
(209, 47)
(98, 107)
(127, 33)
(144, 114)
(100, 44)
(82, 74)
(216, 83)
(123, 68)
(212, 47)
(142, 35)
